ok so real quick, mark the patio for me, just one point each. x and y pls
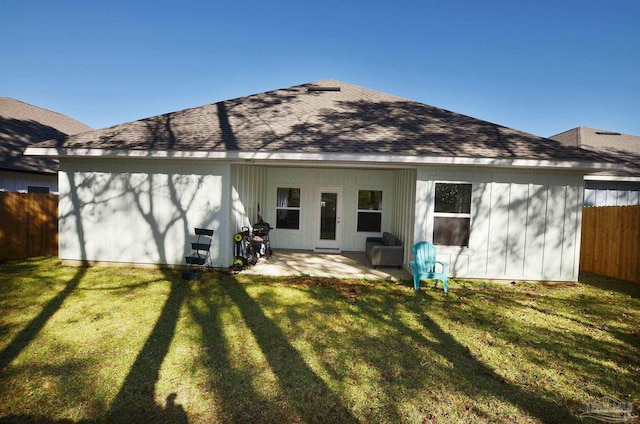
(344, 265)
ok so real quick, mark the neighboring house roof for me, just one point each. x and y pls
(21, 125)
(316, 121)
(623, 147)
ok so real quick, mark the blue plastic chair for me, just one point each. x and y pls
(424, 265)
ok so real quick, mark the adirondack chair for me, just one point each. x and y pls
(425, 265)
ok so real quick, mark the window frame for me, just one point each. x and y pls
(371, 211)
(458, 215)
(288, 208)
(38, 189)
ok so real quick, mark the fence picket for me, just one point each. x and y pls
(610, 242)
(28, 225)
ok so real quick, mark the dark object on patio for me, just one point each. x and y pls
(243, 251)
(385, 251)
(260, 239)
(250, 245)
(425, 266)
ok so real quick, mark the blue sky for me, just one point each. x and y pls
(540, 66)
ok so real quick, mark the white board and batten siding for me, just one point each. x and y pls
(404, 203)
(21, 181)
(525, 225)
(309, 180)
(141, 211)
(247, 193)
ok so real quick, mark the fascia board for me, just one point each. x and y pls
(321, 158)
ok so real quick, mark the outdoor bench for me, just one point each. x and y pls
(385, 251)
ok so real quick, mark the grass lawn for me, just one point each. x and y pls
(134, 345)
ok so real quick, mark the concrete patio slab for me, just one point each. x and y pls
(343, 265)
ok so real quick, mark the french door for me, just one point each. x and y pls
(329, 217)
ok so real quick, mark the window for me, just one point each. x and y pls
(288, 208)
(369, 211)
(37, 189)
(452, 217)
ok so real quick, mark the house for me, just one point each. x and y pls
(21, 125)
(611, 187)
(327, 164)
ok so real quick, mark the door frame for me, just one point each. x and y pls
(328, 246)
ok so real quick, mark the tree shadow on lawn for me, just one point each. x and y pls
(604, 283)
(56, 384)
(486, 380)
(304, 394)
(30, 419)
(135, 402)
(400, 348)
(31, 330)
(236, 398)
(578, 352)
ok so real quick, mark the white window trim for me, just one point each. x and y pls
(358, 210)
(452, 248)
(288, 208)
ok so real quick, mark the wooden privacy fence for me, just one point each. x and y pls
(28, 225)
(611, 241)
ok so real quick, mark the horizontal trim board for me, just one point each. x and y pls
(331, 159)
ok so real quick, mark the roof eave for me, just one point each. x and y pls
(323, 158)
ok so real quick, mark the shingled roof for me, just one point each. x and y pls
(624, 147)
(323, 117)
(21, 125)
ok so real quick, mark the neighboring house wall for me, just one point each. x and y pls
(614, 188)
(20, 181)
(141, 211)
(607, 193)
(524, 224)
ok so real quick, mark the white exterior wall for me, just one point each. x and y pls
(247, 192)
(402, 223)
(525, 225)
(309, 180)
(20, 181)
(141, 211)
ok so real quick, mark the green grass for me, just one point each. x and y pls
(134, 345)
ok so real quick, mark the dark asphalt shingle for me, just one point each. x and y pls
(352, 120)
(22, 125)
